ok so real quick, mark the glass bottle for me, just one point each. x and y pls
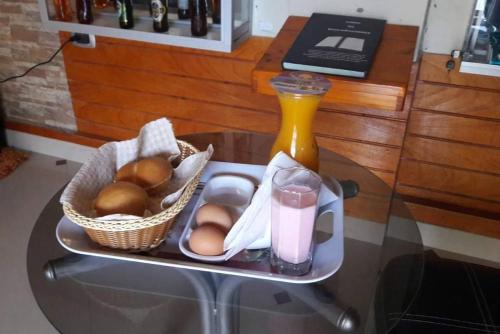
(216, 11)
(159, 13)
(183, 9)
(198, 12)
(101, 3)
(125, 14)
(299, 94)
(84, 11)
(63, 10)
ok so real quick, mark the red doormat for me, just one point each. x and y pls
(9, 160)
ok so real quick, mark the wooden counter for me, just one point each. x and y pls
(387, 82)
(450, 164)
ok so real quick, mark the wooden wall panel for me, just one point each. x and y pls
(172, 62)
(450, 168)
(89, 101)
(374, 156)
(250, 50)
(160, 104)
(219, 115)
(455, 202)
(363, 176)
(171, 85)
(455, 220)
(368, 129)
(468, 156)
(433, 69)
(462, 129)
(106, 131)
(373, 200)
(389, 178)
(450, 180)
(456, 100)
(181, 127)
(372, 208)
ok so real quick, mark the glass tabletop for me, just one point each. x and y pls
(379, 277)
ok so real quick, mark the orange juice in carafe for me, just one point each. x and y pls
(299, 95)
(296, 136)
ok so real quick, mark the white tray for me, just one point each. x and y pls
(327, 259)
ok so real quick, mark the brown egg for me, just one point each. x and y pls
(215, 214)
(207, 240)
(152, 174)
(121, 197)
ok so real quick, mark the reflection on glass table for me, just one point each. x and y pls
(380, 274)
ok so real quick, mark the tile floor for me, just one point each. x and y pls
(23, 195)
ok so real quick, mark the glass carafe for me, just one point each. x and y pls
(299, 94)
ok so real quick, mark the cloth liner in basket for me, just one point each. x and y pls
(132, 232)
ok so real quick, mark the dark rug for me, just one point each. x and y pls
(9, 160)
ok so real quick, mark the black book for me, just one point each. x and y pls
(335, 44)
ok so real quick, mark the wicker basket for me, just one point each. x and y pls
(140, 234)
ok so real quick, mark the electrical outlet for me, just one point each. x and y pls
(266, 26)
(84, 40)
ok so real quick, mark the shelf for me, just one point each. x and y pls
(385, 86)
(220, 37)
(479, 68)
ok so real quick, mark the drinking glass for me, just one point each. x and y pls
(294, 201)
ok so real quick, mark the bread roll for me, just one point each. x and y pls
(152, 174)
(121, 197)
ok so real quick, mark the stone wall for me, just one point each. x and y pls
(42, 97)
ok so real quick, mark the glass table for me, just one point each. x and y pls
(379, 277)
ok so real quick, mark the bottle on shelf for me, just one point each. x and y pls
(100, 3)
(125, 13)
(84, 11)
(216, 11)
(183, 9)
(159, 13)
(63, 10)
(198, 12)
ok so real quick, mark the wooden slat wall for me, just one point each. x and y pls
(121, 85)
(451, 157)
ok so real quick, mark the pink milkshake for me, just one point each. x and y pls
(293, 214)
(293, 224)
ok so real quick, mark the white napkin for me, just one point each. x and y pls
(155, 138)
(253, 229)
